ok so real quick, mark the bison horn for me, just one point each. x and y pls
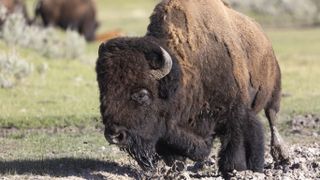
(167, 66)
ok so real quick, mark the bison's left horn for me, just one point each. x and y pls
(167, 66)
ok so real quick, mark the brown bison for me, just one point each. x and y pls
(15, 6)
(79, 15)
(202, 71)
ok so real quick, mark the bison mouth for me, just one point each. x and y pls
(143, 151)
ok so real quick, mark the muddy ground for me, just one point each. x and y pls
(304, 163)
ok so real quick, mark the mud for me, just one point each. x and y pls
(308, 125)
(304, 164)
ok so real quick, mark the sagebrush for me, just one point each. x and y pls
(49, 42)
(13, 69)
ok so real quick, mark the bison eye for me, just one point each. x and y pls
(142, 97)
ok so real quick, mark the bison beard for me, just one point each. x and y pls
(142, 151)
(202, 71)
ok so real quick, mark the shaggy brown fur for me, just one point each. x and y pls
(13, 6)
(79, 15)
(224, 72)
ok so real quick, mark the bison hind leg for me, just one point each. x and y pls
(279, 150)
(254, 143)
(278, 147)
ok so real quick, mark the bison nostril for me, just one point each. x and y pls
(118, 138)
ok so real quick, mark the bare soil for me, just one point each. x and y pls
(304, 163)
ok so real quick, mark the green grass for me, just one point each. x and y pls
(298, 52)
(66, 97)
(131, 17)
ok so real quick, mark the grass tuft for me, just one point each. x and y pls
(13, 69)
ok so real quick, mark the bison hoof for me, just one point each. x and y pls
(280, 155)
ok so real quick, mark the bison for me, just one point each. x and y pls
(79, 15)
(202, 71)
(15, 6)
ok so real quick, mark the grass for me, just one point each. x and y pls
(53, 116)
(298, 52)
(67, 94)
(59, 97)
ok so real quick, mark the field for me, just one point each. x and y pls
(50, 123)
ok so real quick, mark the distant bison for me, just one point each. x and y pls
(78, 15)
(202, 71)
(14, 6)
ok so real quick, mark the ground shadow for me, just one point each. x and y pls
(65, 167)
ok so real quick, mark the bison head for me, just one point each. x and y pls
(138, 80)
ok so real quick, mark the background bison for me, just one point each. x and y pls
(202, 71)
(78, 15)
(13, 6)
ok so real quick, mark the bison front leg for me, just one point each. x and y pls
(242, 143)
(168, 154)
(188, 144)
(232, 155)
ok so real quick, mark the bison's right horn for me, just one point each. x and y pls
(167, 66)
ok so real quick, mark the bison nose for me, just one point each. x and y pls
(118, 138)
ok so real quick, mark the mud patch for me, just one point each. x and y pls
(304, 164)
(308, 125)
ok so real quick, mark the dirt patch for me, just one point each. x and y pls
(15, 132)
(308, 125)
(304, 164)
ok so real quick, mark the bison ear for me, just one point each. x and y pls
(107, 47)
(165, 69)
(154, 59)
(102, 49)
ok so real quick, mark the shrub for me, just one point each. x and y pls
(3, 12)
(50, 42)
(13, 69)
(281, 12)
